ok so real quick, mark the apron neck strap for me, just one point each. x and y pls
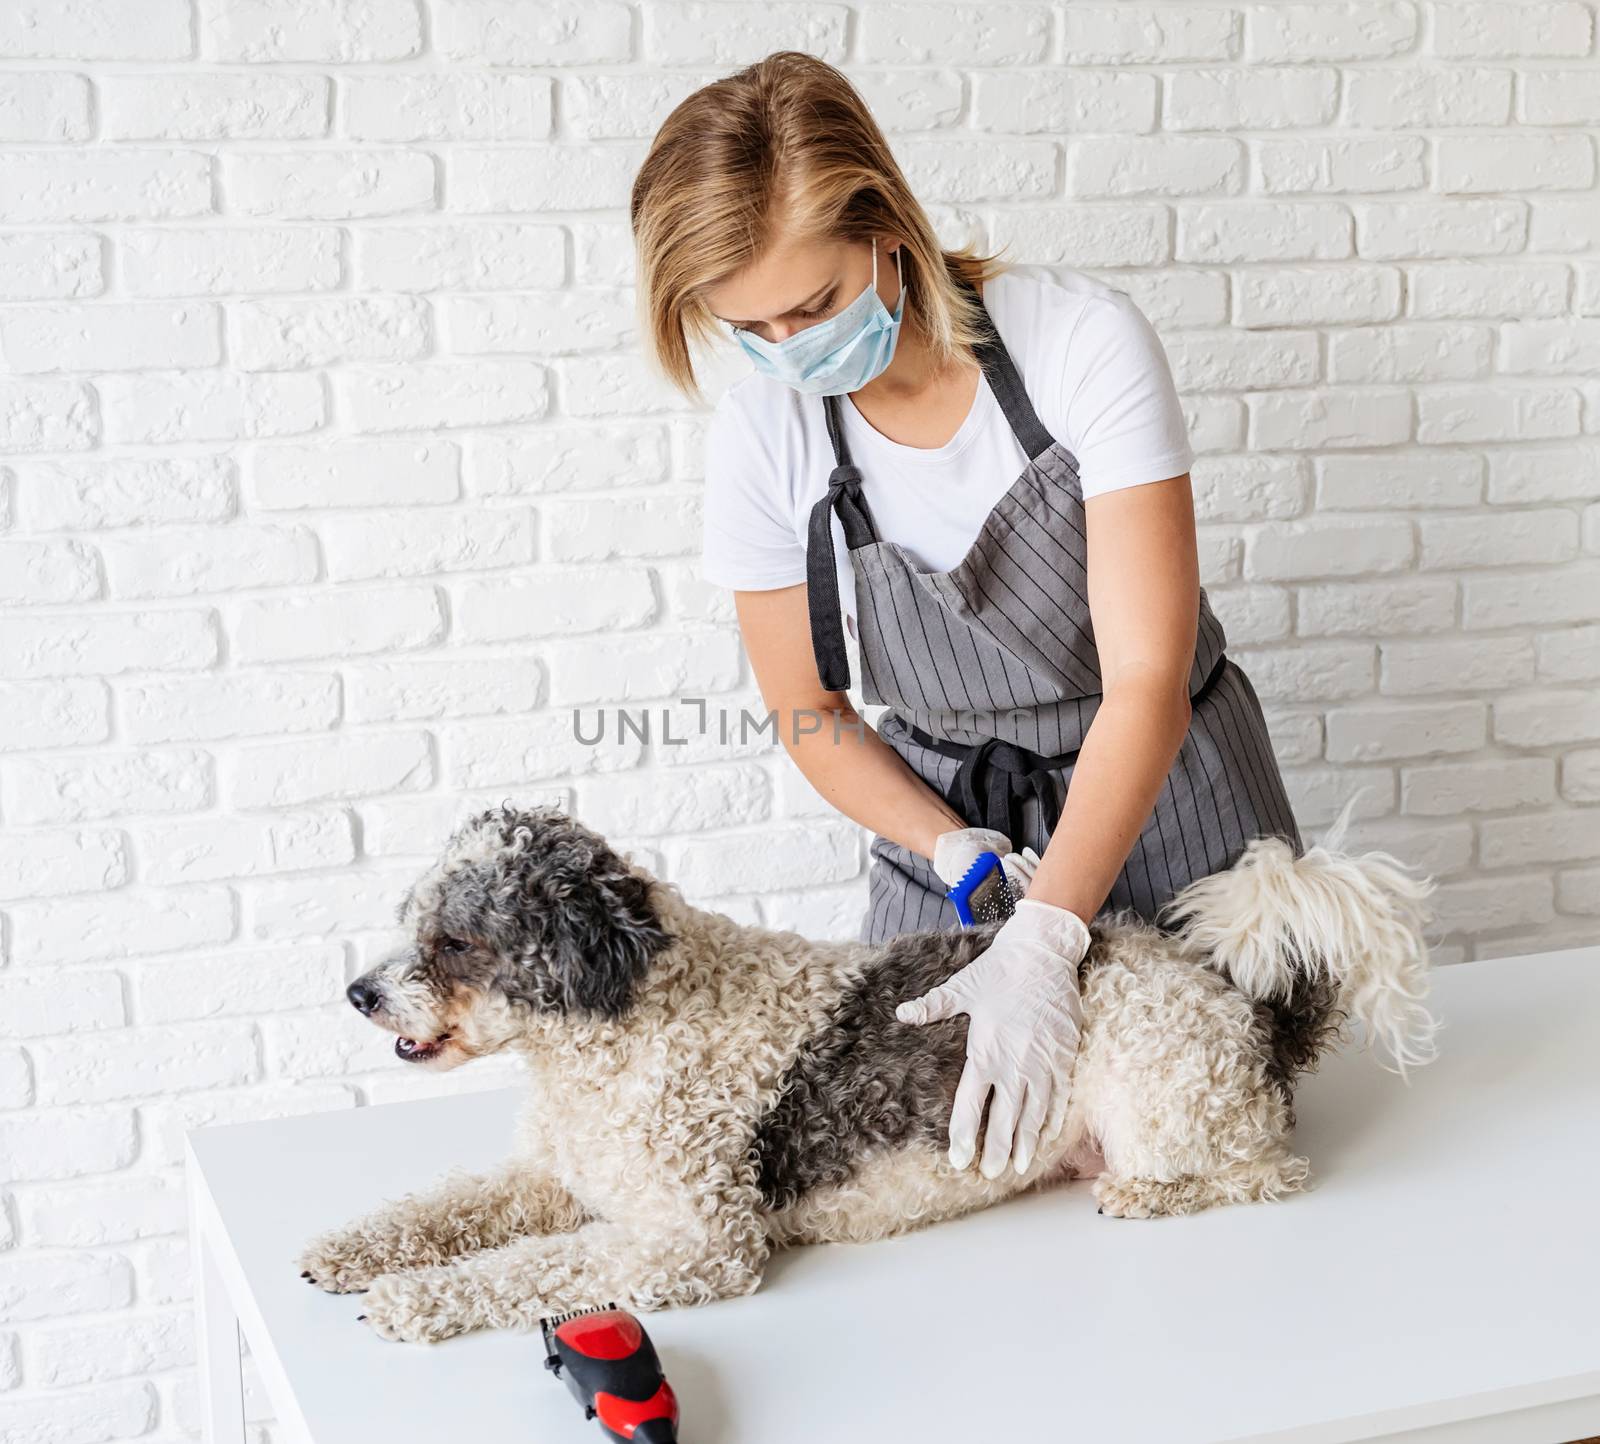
(841, 447)
(1006, 383)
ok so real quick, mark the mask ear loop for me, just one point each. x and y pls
(899, 272)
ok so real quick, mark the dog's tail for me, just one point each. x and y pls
(1276, 925)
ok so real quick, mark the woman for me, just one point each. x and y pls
(985, 470)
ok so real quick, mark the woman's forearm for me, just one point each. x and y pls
(1122, 765)
(1127, 752)
(857, 772)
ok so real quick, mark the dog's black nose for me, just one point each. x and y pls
(363, 997)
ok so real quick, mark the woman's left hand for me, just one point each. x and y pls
(1020, 868)
(1025, 1014)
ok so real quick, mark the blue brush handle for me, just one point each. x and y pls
(984, 882)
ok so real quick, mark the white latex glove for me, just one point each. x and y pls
(1025, 1013)
(954, 852)
(1020, 868)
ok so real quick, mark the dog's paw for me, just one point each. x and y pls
(411, 1308)
(1120, 1199)
(340, 1261)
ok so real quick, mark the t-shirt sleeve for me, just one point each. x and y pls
(747, 541)
(1125, 423)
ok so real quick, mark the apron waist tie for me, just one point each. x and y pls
(997, 777)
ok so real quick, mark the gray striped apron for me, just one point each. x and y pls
(991, 679)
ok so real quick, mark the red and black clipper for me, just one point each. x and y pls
(611, 1367)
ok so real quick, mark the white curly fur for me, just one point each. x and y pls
(1273, 917)
(630, 1180)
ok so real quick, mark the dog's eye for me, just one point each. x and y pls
(453, 945)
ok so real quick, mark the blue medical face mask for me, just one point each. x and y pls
(838, 355)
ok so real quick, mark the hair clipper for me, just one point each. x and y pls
(611, 1367)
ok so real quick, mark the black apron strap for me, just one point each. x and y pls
(1006, 383)
(994, 780)
(822, 575)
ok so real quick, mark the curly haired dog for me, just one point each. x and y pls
(703, 1091)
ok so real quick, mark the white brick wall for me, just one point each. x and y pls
(328, 459)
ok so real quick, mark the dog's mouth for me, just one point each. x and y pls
(414, 1051)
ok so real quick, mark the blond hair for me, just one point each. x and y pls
(787, 142)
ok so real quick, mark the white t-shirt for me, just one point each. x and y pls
(1092, 365)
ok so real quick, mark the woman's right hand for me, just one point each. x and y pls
(955, 851)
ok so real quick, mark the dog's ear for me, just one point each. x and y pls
(574, 917)
(599, 942)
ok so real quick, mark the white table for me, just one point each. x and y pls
(1441, 1283)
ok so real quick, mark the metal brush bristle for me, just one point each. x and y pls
(983, 894)
(992, 903)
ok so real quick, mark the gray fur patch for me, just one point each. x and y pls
(867, 1080)
(1298, 1030)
